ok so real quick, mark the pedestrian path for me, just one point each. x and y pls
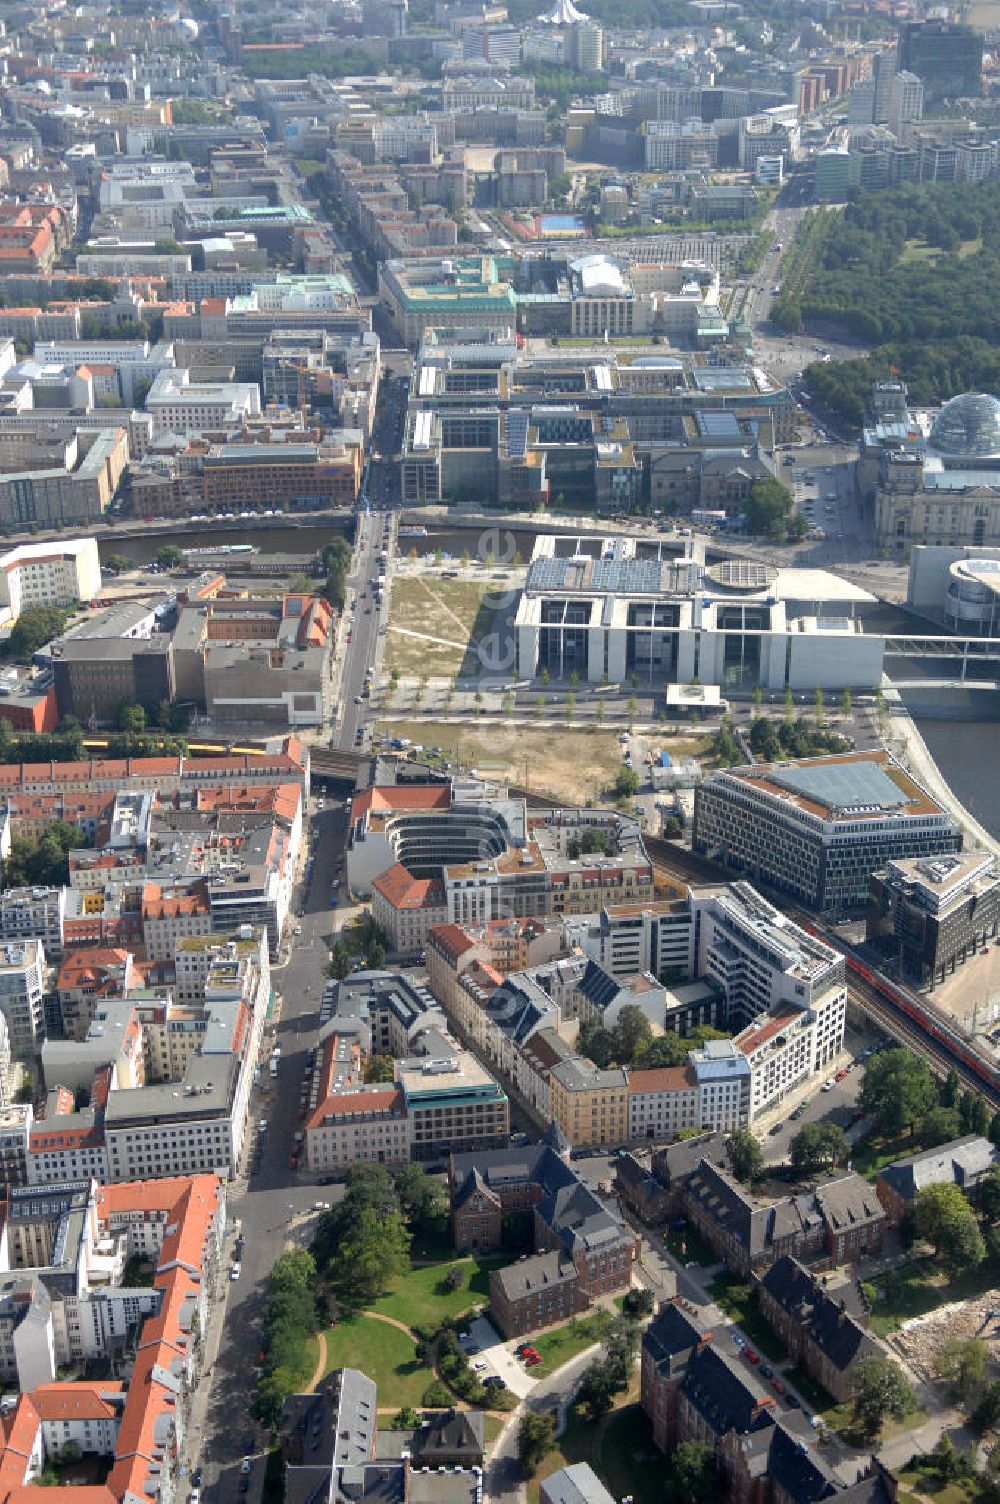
(320, 1368)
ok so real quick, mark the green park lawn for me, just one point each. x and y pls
(422, 1298)
(619, 1448)
(383, 1352)
(560, 1343)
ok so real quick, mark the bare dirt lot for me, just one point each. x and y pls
(436, 625)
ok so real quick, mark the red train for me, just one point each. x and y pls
(930, 1023)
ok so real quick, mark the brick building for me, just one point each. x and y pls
(823, 1332)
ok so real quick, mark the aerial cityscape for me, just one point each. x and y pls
(499, 704)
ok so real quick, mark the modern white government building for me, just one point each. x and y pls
(607, 608)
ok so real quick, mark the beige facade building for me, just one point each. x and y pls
(590, 1106)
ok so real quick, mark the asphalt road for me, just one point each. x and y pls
(275, 1204)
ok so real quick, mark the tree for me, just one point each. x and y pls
(994, 1134)
(989, 1194)
(570, 706)
(373, 1252)
(951, 1089)
(846, 701)
(169, 556)
(940, 1126)
(757, 696)
(34, 627)
(535, 1438)
(632, 1030)
(820, 704)
(626, 783)
(962, 1360)
(898, 1089)
(767, 506)
(422, 1198)
(665, 1050)
(981, 1117)
(744, 1155)
(632, 708)
(818, 1144)
(406, 1419)
(763, 739)
(43, 863)
(882, 1390)
(379, 1069)
(118, 564)
(986, 1416)
(943, 1217)
(131, 718)
(694, 1473)
(638, 1302)
(597, 1044)
(341, 961)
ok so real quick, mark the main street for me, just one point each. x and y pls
(274, 1203)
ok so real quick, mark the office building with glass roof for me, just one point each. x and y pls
(818, 829)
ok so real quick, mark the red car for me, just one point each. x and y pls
(531, 1360)
(840, 1075)
(751, 1356)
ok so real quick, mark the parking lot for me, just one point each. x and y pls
(492, 1357)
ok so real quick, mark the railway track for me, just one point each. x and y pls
(941, 1059)
(675, 865)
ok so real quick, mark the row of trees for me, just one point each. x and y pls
(336, 556)
(291, 1316)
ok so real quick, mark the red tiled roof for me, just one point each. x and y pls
(402, 890)
(664, 1078)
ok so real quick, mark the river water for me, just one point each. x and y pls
(968, 755)
(478, 541)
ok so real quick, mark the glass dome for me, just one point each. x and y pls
(967, 427)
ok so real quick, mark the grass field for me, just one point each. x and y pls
(871, 1154)
(574, 765)
(384, 1353)
(687, 1243)
(421, 1298)
(459, 612)
(619, 1448)
(917, 1487)
(917, 250)
(557, 1346)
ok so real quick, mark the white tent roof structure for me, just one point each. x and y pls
(563, 13)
